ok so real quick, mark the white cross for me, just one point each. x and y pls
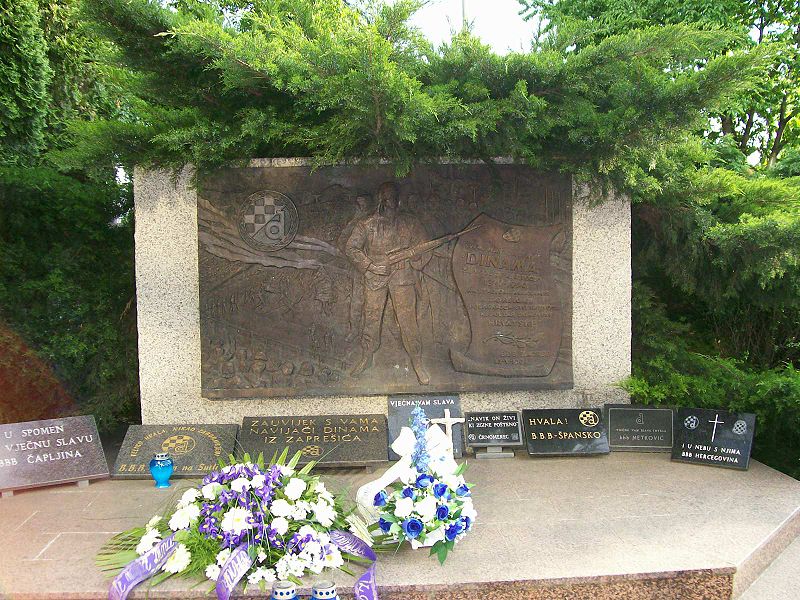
(448, 423)
(716, 422)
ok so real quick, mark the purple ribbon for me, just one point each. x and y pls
(365, 588)
(140, 569)
(238, 563)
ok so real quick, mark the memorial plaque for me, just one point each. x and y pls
(486, 429)
(330, 440)
(37, 453)
(444, 411)
(195, 449)
(346, 280)
(714, 437)
(639, 429)
(566, 431)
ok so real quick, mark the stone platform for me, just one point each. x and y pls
(614, 527)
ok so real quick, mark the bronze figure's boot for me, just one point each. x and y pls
(422, 373)
(363, 364)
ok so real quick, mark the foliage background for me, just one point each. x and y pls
(664, 101)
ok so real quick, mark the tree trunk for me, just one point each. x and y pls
(748, 128)
(777, 143)
(727, 125)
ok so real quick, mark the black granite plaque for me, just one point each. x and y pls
(331, 440)
(639, 429)
(493, 429)
(195, 449)
(565, 431)
(713, 437)
(37, 453)
(444, 411)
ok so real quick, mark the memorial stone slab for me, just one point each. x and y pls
(37, 453)
(330, 440)
(486, 429)
(444, 411)
(714, 437)
(639, 429)
(195, 449)
(559, 432)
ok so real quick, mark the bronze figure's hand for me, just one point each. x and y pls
(378, 268)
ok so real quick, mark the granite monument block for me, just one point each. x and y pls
(444, 411)
(38, 453)
(565, 432)
(195, 449)
(714, 437)
(486, 429)
(639, 429)
(330, 440)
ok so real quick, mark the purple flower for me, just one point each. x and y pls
(439, 490)
(380, 499)
(424, 480)
(442, 512)
(384, 525)
(412, 528)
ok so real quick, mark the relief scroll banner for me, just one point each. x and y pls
(504, 275)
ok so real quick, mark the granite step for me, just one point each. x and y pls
(781, 579)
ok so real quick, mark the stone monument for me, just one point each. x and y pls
(266, 289)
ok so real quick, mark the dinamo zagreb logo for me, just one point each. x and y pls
(268, 221)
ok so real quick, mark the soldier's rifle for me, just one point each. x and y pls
(400, 254)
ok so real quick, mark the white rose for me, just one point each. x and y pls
(468, 510)
(178, 560)
(237, 520)
(149, 539)
(286, 471)
(280, 525)
(223, 556)
(211, 490)
(426, 509)
(295, 488)
(212, 572)
(280, 508)
(430, 539)
(188, 497)
(258, 482)
(403, 507)
(240, 485)
(307, 530)
(184, 517)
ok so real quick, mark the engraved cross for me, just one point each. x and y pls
(716, 422)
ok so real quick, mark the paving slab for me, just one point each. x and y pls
(620, 526)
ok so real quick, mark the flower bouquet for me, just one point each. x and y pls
(246, 521)
(431, 504)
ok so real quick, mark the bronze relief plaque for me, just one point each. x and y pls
(346, 280)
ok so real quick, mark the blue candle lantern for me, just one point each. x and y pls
(324, 590)
(284, 590)
(161, 468)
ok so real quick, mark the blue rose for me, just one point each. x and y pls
(424, 480)
(463, 490)
(451, 532)
(409, 492)
(467, 523)
(412, 528)
(442, 512)
(380, 499)
(384, 525)
(439, 490)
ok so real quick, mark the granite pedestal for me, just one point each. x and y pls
(619, 526)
